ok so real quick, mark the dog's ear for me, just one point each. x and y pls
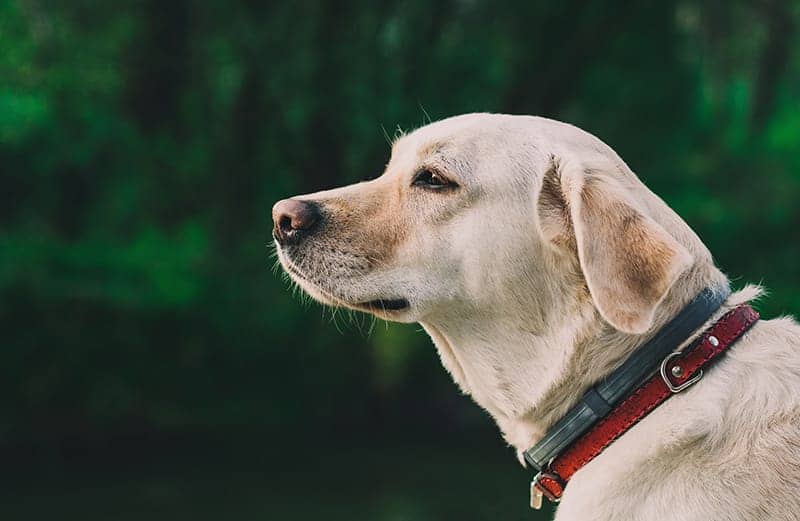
(628, 260)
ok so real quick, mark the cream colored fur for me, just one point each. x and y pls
(535, 277)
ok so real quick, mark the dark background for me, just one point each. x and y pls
(153, 363)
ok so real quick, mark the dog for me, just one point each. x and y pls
(537, 262)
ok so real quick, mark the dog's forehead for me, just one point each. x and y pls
(451, 130)
(453, 138)
(513, 145)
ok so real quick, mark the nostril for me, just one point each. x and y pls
(285, 223)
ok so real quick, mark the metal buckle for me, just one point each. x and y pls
(672, 387)
(538, 490)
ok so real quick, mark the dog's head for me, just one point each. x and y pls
(486, 212)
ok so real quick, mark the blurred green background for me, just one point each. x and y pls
(154, 365)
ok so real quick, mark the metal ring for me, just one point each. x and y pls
(672, 387)
(546, 473)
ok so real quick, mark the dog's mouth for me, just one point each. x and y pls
(394, 304)
(385, 306)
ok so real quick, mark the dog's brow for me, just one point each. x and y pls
(430, 148)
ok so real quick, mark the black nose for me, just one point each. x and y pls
(294, 219)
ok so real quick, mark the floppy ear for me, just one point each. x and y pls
(628, 260)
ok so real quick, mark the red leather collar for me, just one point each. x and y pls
(678, 371)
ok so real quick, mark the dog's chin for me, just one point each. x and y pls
(389, 308)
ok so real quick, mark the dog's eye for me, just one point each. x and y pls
(431, 180)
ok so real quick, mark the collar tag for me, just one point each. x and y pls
(536, 496)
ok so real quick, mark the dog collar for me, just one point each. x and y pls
(653, 373)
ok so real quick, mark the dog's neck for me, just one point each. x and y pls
(528, 368)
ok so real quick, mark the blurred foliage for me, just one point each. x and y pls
(143, 144)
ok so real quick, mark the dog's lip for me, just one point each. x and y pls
(379, 305)
(385, 305)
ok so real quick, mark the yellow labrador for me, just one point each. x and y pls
(537, 262)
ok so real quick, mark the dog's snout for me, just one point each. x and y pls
(293, 219)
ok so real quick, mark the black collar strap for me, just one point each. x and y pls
(598, 401)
